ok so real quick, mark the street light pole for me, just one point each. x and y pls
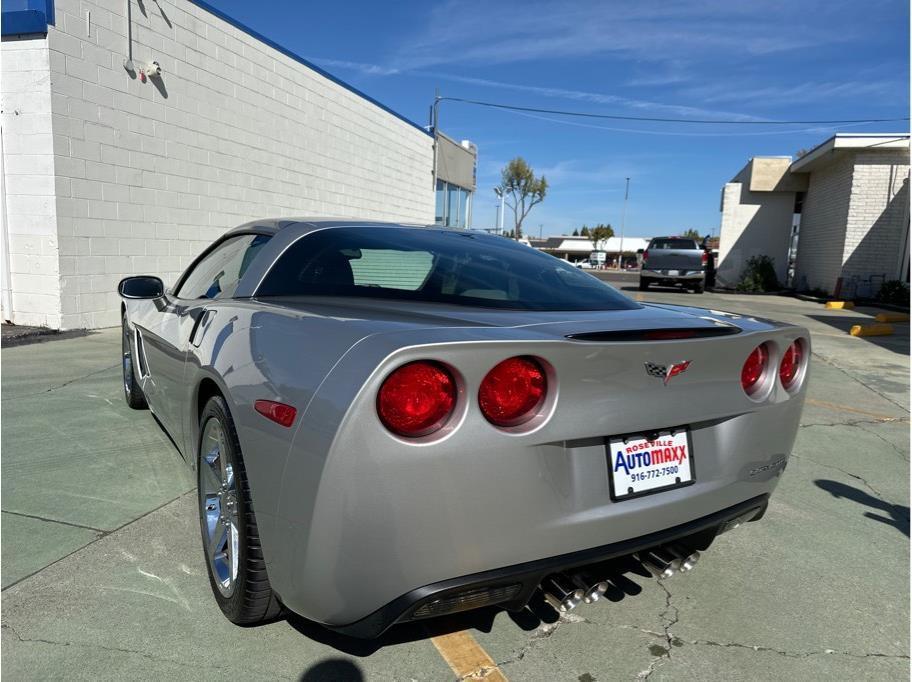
(499, 192)
(623, 220)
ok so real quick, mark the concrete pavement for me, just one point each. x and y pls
(104, 578)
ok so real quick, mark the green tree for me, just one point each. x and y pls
(600, 233)
(692, 234)
(584, 232)
(576, 232)
(522, 190)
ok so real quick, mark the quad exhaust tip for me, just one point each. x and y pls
(687, 558)
(564, 592)
(592, 587)
(664, 562)
(561, 592)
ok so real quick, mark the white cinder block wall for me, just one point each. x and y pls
(29, 211)
(149, 173)
(753, 223)
(855, 221)
(878, 222)
(823, 221)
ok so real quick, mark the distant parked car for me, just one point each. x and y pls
(674, 261)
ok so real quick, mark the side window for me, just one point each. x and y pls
(218, 274)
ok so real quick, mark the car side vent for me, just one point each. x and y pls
(655, 334)
(143, 366)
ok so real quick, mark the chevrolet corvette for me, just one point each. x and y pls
(394, 422)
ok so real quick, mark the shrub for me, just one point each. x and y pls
(759, 275)
(894, 291)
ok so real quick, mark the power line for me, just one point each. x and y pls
(681, 133)
(618, 117)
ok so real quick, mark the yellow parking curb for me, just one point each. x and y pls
(839, 305)
(892, 317)
(466, 658)
(871, 330)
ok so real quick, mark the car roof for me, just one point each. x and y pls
(306, 224)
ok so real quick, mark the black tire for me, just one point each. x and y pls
(644, 284)
(698, 289)
(132, 390)
(251, 599)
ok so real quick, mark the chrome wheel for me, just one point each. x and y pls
(218, 507)
(127, 362)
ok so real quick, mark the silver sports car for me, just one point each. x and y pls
(394, 422)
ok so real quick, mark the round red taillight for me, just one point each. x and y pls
(511, 393)
(753, 369)
(417, 398)
(791, 363)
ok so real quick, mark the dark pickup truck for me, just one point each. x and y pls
(674, 261)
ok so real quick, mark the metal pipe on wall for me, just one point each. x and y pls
(6, 292)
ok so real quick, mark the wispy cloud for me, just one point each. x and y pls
(544, 91)
(362, 67)
(601, 98)
(478, 32)
(796, 93)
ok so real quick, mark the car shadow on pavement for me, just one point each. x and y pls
(893, 514)
(619, 572)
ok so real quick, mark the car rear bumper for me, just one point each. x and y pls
(365, 517)
(664, 276)
(521, 580)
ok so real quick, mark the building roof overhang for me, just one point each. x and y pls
(841, 143)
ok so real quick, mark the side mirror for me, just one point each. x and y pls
(142, 286)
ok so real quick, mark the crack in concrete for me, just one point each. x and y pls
(662, 657)
(903, 454)
(103, 535)
(857, 422)
(794, 654)
(541, 633)
(64, 384)
(102, 647)
(890, 400)
(879, 495)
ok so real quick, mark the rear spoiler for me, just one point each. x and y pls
(655, 334)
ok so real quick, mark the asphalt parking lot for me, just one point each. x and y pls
(103, 576)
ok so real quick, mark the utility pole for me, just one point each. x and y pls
(623, 220)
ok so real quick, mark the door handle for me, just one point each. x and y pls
(202, 318)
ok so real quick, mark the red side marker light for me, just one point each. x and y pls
(278, 412)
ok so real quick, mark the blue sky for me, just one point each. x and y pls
(715, 59)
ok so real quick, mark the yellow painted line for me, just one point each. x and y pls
(871, 330)
(638, 297)
(839, 305)
(854, 410)
(466, 658)
(891, 317)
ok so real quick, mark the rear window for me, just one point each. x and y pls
(669, 243)
(429, 265)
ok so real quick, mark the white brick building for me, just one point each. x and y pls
(109, 172)
(846, 201)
